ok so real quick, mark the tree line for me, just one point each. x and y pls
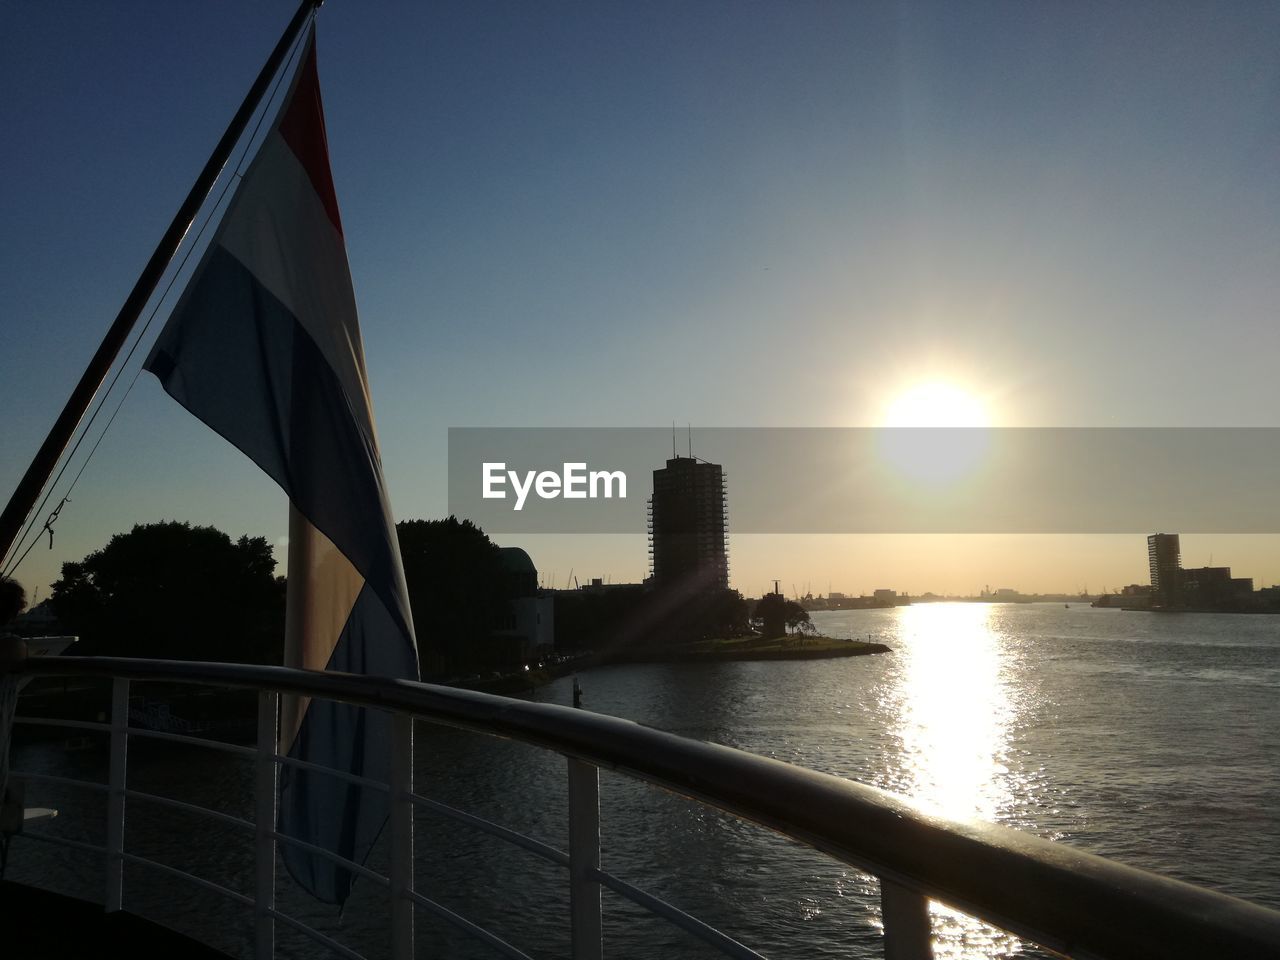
(177, 591)
(173, 590)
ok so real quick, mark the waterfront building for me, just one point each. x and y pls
(39, 621)
(772, 612)
(1172, 586)
(526, 627)
(1164, 556)
(688, 530)
(1213, 586)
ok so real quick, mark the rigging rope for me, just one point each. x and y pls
(236, 175)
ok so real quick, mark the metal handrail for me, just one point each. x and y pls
(692, 925)
(1072, 902)
(536, 847)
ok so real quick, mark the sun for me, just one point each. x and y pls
(936, 403)
(936, 433)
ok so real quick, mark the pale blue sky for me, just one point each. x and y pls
(736, 214)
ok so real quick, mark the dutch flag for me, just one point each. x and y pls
(264, 347)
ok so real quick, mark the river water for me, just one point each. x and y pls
(1151, 739)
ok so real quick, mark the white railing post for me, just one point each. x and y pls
(584, 859)
(115, 794)
(401, 815)
(267, 774)
(908, 934)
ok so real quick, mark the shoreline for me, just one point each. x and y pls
(733, 651)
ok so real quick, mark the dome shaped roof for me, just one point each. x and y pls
(515, 560)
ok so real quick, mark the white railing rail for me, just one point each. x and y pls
(1068, 901)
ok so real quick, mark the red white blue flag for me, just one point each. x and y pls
(264, 347)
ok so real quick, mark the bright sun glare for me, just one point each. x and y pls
(942, 454)
(936, 404)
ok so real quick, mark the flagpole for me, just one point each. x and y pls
(46, 459)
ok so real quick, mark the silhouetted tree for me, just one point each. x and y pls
(681, 614)
(792, 614)
(598, 620)
(458, 587)
(720, 614)
(174, 591)
(13, 599)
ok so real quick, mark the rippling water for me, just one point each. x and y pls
(1151, 739)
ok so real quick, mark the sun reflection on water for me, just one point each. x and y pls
(954, 717)
(953, 710)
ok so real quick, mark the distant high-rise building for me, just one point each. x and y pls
(1164, 554)
(687, 526)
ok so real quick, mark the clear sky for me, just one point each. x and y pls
(725, 213)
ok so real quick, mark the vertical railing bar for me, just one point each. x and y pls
(401, 816)
(584, 859)
(267, 773)
(116, 794)
(908, 934)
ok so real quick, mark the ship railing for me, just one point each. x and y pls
(1063, 899)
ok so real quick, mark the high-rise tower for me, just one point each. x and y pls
(687, 527)
(1164, 554)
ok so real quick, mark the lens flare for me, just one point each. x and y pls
(936, 433)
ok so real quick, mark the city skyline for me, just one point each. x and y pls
(962, 318)
(795, 217)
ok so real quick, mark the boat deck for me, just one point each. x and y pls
(1066, 900)
(39, 925)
